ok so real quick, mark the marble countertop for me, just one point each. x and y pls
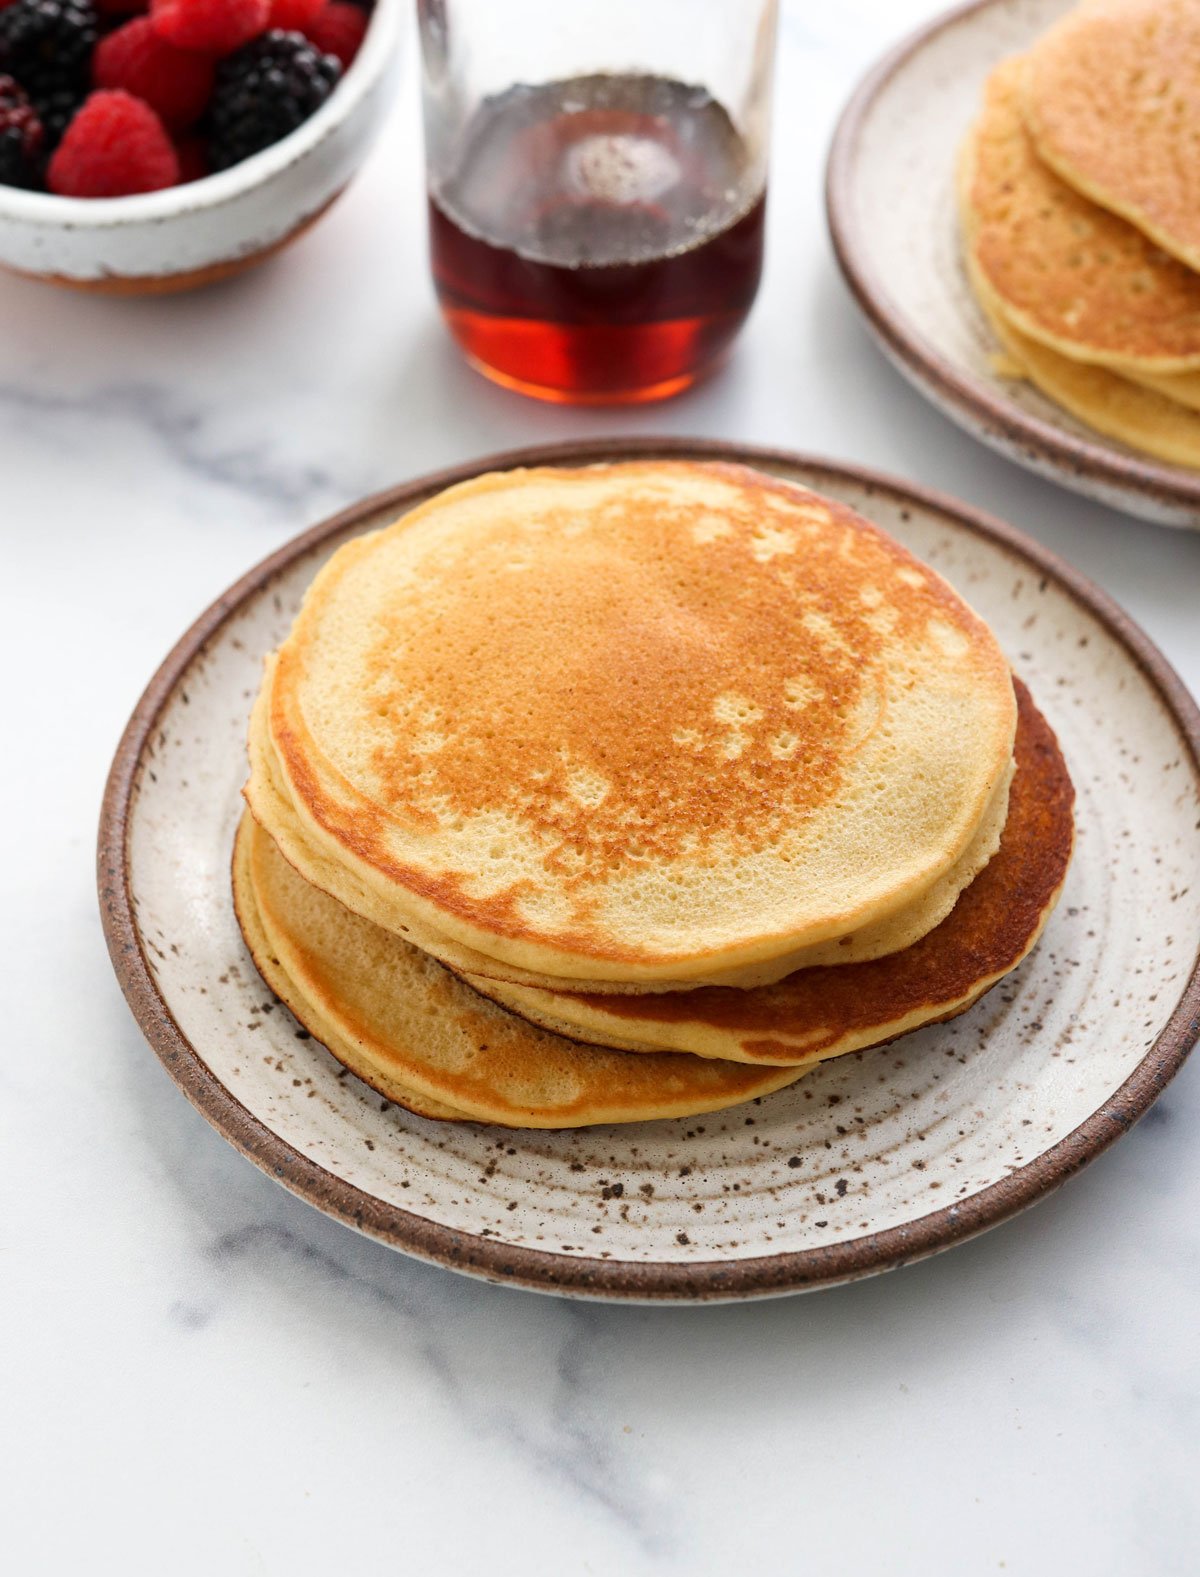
(201, 1373)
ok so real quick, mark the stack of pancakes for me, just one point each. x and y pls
(589, 796)
(1080, 200)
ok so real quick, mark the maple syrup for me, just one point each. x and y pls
(598, 239)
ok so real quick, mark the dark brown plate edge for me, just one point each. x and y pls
(1012, 431)
(536, 1269)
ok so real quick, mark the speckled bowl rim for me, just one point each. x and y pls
(962, 395)
(537, 1269)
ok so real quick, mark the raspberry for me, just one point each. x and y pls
(264, 92)
(176, 83)
(193, 160)
(21, 137)
(338, 29)
(116, 145)
(293, 15)
(215, 27)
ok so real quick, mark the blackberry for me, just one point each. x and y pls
(47, 46)
(264, 91)
(56, 111)
(21, 137)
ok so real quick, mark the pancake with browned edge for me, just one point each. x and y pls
(1133, 412)
(640, 723)
(1066, 271)
(272, 807)
(821, 1013)
(276, 976)
(410, 1029)
(1112, 101)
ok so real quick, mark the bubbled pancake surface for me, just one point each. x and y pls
(272, 807)
(825, 1012)
(401, 1021)
(1068, 272)
(637, 722)
(1113, 105)
(1122, 408)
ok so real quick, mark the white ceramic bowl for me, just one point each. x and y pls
(191, 235)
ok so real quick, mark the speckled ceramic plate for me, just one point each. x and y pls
(874, 1159)
(894, 222)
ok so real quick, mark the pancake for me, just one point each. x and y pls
(1112, 101)
(278, 980)
(821, 1013)
(638, 723)
(1181, 387)
(1067, 272)
(1134, 413)
(413, 1031)
(273, 809)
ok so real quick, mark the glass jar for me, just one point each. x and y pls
(597, 186)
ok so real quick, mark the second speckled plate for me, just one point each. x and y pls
(893, 216)
(872, 1160)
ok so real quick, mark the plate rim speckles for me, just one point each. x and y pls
(1094, 466)
(644, 1281)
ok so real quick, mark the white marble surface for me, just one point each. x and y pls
(201, 1374)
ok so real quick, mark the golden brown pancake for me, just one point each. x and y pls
(821, 1013)
(638, 723)
(275, 812)
(269, 967)
(1131, 411)
(412, 1030)
(1113, 106)
(1067, 272)
(1181, 387)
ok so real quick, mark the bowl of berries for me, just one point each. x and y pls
(155, 145)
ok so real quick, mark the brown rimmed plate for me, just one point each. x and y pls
(871, 1161)
(893, 219)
